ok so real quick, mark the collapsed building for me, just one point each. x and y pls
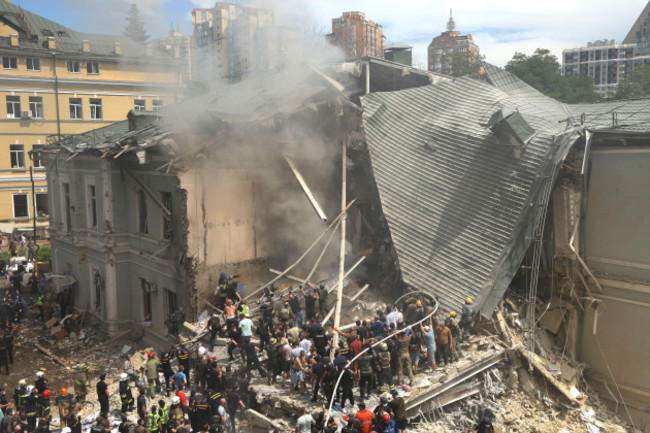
(464, 187)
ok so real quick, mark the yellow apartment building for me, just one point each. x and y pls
(55, 81)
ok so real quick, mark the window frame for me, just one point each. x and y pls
(66, 202)
(143, 217)
(79, 109)
(13, 204)
(94, 106)
(34, 60)
(47, 203)
(19, 154)
(156, 105)
(88, 68)
(34, 109)
(91, 202)
(73, 66)
(167, 221)
(36, 160)
(138, 107)
(13, 63)
(14, 104)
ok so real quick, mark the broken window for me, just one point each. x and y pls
(146, 288)
(66, 211)
(168, 231)
(143, 224)
(92, 207)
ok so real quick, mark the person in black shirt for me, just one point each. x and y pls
(235, 340)
(318, 371)
(233, 402)
(142, 404)
(346, 384)
(102, 394)
(252, 361)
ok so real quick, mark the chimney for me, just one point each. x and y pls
(148, 51)
(118, 48)
(85, 46)
(14, 40)
(51, 43)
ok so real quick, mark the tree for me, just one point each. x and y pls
(135, 26)
(542, 71)
(634, 84)
(457, 63)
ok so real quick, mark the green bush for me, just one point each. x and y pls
(44, 254)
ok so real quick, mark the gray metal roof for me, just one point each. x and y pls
(462, 205)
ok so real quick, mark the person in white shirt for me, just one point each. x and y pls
(305, 422)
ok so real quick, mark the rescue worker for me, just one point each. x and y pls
(310, 304)
(125, 395)
(323, 305)
(466, 317)
(102, 394)
(165, 362)
(365, 375)
(19, 395)
(456, 353)
(184, 361)
(214, 326)
(153, 420)
(202, 369)
(272, 360)
(43, 410)
(403, 356)
(152, 367)
(141, 403)
(286, 316)
(81, 384)
(244, 309)
(41, 382)
(64, 403)
(164, 416)
(385, 376)
(30, 408)
(443, 340)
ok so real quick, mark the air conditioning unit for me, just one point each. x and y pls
(25, 115)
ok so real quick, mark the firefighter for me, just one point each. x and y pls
(165, 362)
(125, 395)
(41, 382)
(19, 395)
(466, 317)
(81, 384)
(64, 403)
(456, 353)
(103, 395)
(184, 360)
(385, 372)
(30, 408)
(43, 411)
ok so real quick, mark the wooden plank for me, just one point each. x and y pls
(305, 188)
(52, 356)
(538, 362)
(359, 293)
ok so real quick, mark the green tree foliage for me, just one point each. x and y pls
(458, 64)
(135, 26)
(635, 83)
(542, 71)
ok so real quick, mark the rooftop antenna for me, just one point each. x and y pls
(451, 25)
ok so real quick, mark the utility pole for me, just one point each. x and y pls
(339, 293)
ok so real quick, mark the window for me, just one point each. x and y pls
(33, 64)
(13, 107)
(95, 109)
(92, 68)
(139, 105)
(76, 111)
(143, 224)
(73, 67)
(66, 207)
(146, 299)
(168, 231)
(21, 209)
(157, 105)
(9, 62)
(36, 156)
(17, 152)
(42, 206)
(92, 207)
(36, 107)
(171, 302)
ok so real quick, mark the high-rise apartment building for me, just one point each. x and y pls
(177, 44)
(447, 45)
(605, 61)
(232, 41)
(639, 34)
(356, 36)
(57, 81)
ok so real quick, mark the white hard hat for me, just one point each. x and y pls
(201, 350)
(30, 388)
(124, 376)
(176, 399)
(66, 430)
(40, 374)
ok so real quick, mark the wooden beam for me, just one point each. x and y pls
(359, 293)
(52, 356)
(108, 342)
(150, 193)
(306, 189)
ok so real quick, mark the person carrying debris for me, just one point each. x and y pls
(466, 317)
(81, 384)
(125, 395)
